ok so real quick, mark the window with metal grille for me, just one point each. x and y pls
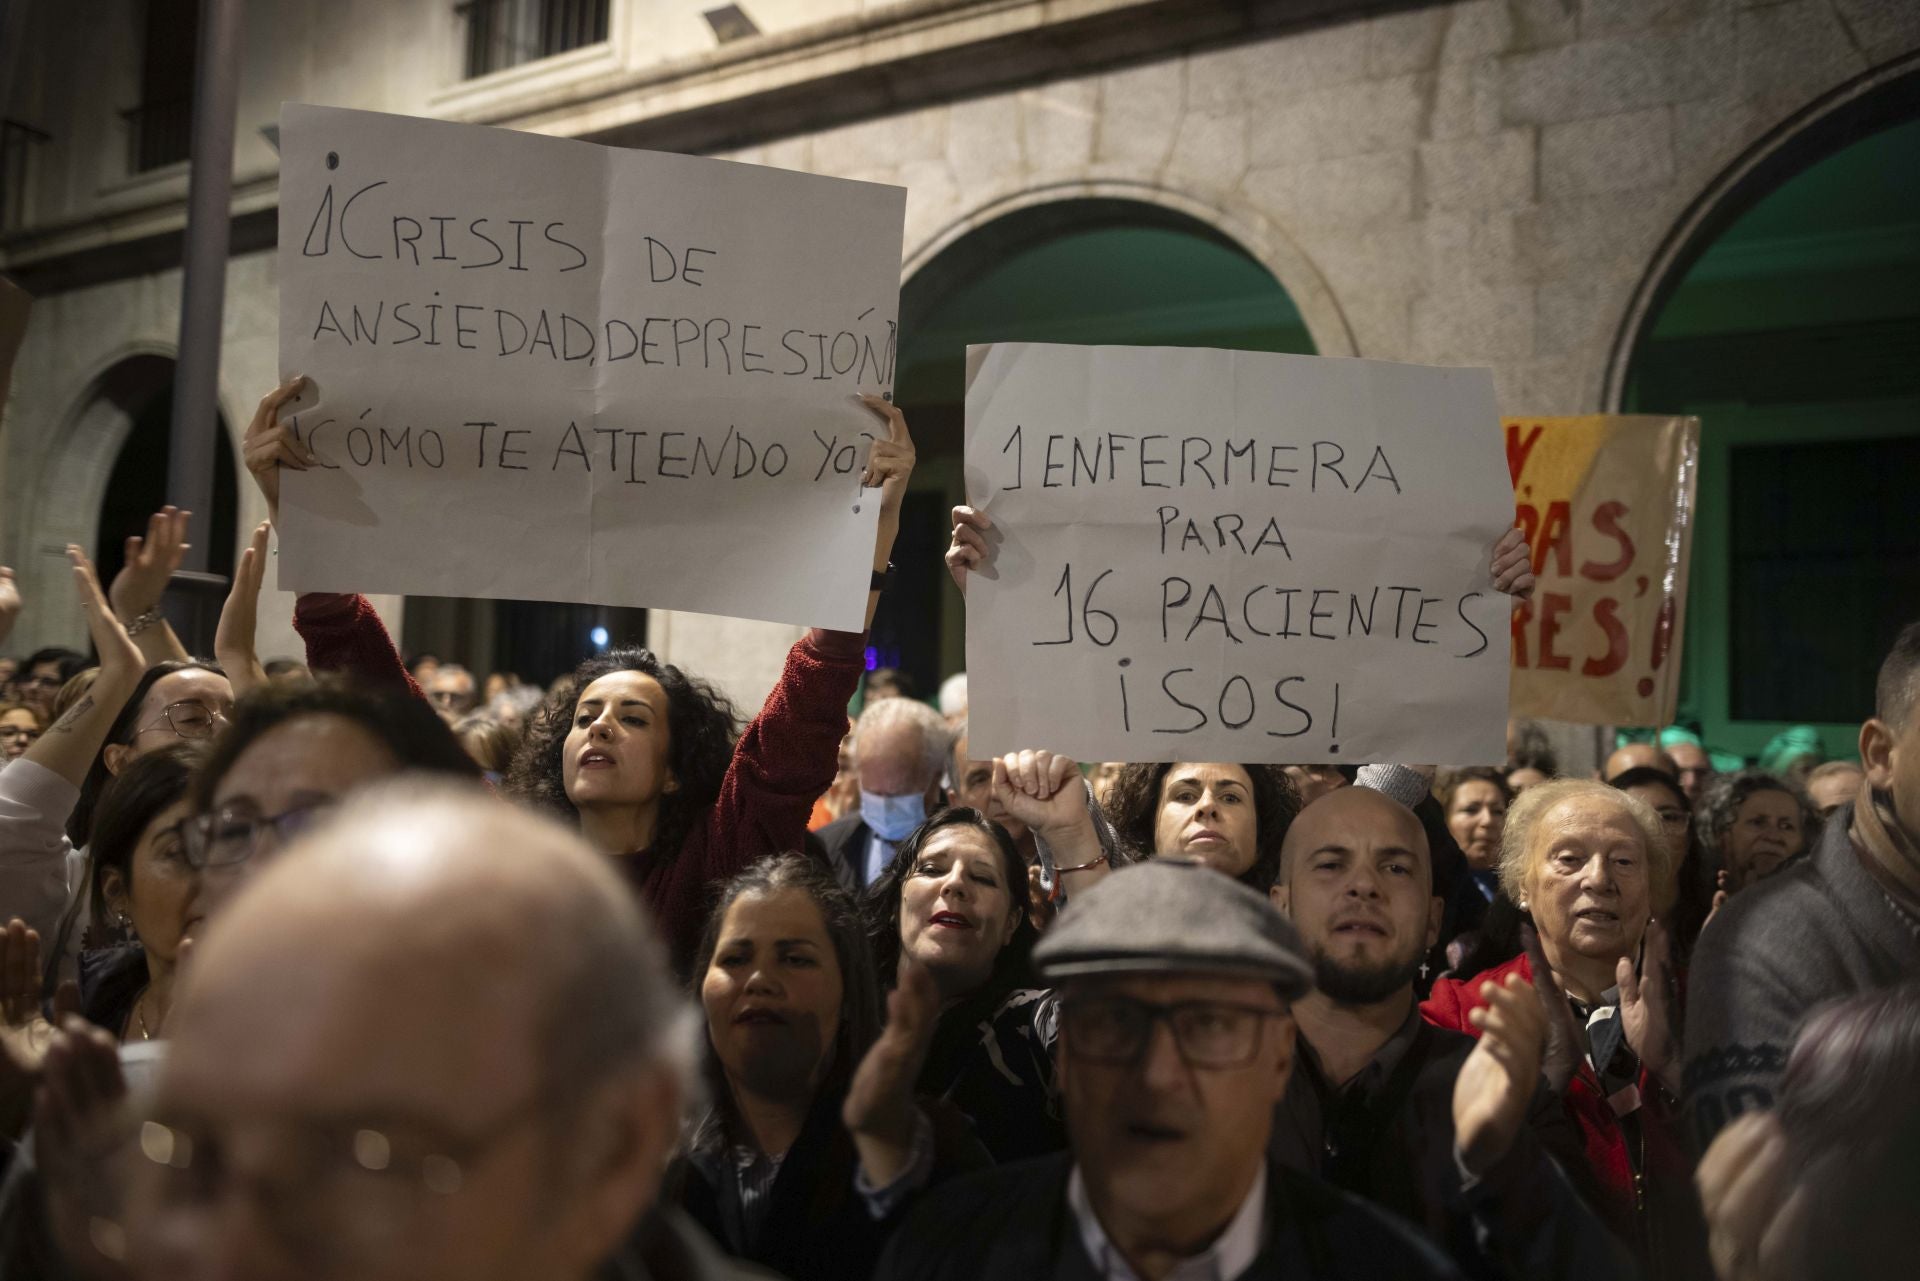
(17, 142)
(1826, 569)
(507, 33)
(160, 128)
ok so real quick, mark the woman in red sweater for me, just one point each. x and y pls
(643, 755)
(1591, 867)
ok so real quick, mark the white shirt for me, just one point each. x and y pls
(1229, 1256)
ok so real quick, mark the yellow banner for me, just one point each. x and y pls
(1607, 503)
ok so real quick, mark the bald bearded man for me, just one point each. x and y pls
(1433, 1125)
(436, 1039)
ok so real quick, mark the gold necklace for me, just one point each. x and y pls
(139, 1013)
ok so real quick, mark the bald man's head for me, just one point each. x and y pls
(1356, 877)
(1340, 814)
(1638, 756)
(468, 984)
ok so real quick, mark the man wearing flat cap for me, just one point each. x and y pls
(1176, 1040)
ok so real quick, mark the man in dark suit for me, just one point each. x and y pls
(1175, 1044)
(899, 751)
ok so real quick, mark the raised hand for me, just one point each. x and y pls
(1561, 1055)
(270, 444)
(233, 639)
(1512, 565)
(890, 462)
(879, 1108)
(1747, 1198)
(151, 562)
(1042, 790)
(1497, 1081)
(968, 550)
(80, 1085)
(19, 974)
(9, 603)
(1644, 1012)
(120, 659)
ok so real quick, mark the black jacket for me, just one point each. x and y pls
(845, 840)
(1394, 1146)
(667, 1247)
(1013, 1222)
(817, 1226)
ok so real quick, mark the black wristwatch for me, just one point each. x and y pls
(882, 579)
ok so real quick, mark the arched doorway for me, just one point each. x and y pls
(1086, 271)
(1790, 325)
(141, 388)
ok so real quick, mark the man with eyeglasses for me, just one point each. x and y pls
(383, 1068)
(1176, 987)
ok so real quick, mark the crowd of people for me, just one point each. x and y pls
(350, 966)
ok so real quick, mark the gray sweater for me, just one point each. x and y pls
(1821, 930)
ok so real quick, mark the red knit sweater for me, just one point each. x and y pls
(783, 761)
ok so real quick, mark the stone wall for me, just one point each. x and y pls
(1480, 183)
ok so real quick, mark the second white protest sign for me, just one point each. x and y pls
(1235, 556)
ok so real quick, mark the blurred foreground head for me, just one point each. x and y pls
(435, 1039)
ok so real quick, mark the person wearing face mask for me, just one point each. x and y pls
(813, 1144)
(640, 754)
(899, 754)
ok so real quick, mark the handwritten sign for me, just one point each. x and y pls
(1235, 556)
(1607, 503)
(556, 371)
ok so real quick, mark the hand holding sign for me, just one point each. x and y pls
(271, 444)
(969, 549)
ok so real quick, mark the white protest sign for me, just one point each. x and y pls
(1235, 556)
(556, 371)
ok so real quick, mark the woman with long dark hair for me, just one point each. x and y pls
(954, 901)
(639, 753)
(785, 979)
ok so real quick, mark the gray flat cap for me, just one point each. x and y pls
(1165, 917)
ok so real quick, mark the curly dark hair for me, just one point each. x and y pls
(701, 725)
(1133, 806)
(1720, 802)
(882, 902)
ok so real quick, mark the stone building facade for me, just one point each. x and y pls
(1507, 183)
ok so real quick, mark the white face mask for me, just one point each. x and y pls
(892, 818)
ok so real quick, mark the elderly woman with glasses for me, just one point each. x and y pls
(1592, 868)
